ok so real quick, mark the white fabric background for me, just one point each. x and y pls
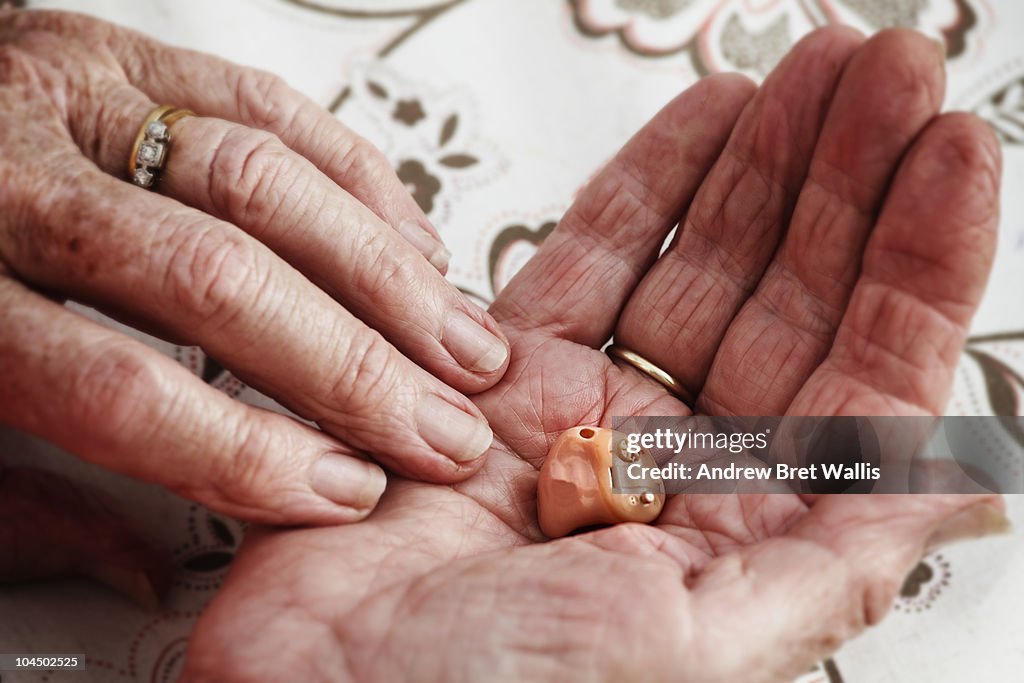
(540, 104)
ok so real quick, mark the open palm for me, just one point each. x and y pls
(835, 237)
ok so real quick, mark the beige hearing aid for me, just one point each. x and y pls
(576, 483)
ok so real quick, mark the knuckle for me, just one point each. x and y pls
(390, 280)
(97, 123)
(246, 165)
(265, 99)
(367, 378)
(71, 60)
(356, 160)
(788, 298)
(213, 273)
(918, 93)
(619, 196)
(247, 475)
(967, 143)
(32, 101)
(109, 390)
(138, 71)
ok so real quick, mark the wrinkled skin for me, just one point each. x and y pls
(270, 222)
(836, 235)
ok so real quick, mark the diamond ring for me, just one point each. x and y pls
(149, 153)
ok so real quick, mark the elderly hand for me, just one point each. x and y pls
(836, 235)
(280, 242)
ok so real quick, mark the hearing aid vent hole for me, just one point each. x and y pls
(587, 433)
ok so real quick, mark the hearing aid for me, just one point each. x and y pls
(587, 480)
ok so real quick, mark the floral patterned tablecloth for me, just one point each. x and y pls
(494, 112)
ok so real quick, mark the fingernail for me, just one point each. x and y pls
(425, 243)
(941, 46)
(976, 521)
(451, 431)
(348, 481)
(472, 345)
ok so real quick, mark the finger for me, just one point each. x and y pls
(889, 91)
(215, 87)
(51, 527)
(117, 403)
(679, 313)
(924, 272)
(105, 240)
(793, 600)
(249, 178)
(587, 267)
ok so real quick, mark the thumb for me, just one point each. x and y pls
(795, 599)
(51, 527)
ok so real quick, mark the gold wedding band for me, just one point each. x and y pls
(152, 144)
(645, 366)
